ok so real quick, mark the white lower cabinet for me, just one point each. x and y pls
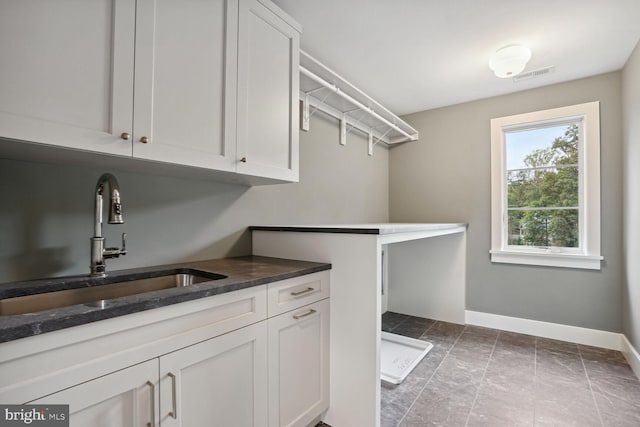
(299, 365)
(218, 382)
(221, 361)
(125, 398)
(221, 381)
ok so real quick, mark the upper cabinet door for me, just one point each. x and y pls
(268, 57)
(185, 82)
(67, 73)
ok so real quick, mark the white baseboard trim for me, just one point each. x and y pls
(575, 334)
(631, 354)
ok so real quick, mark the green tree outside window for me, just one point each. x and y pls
(543, 196)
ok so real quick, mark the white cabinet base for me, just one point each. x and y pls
(218, 360)
(299, 365)
(221, 381)
(125, 398)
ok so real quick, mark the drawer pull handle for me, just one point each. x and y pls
(152, 423)
(308, 313)
(174, 412)
(302, 292)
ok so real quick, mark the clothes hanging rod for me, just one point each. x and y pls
(355, 102)
(318, 68)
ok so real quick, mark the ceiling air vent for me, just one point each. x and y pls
(534, 73)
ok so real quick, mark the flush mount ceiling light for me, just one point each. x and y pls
(510, 60)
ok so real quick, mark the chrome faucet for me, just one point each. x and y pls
(98, 252)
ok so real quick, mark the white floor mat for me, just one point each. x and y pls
(399, 355)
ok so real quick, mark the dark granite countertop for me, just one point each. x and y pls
(241, 272)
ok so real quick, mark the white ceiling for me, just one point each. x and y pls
(414, 55)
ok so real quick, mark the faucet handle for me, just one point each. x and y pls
(123, 249)
(116, 252)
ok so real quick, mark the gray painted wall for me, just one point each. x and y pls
(631, 126)
(445, 177)
(46, 210)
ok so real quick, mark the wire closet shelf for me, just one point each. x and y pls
(323, 89)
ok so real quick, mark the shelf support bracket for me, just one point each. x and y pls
(304, 120)
(305, 114)
(370, 145)
(344, 128)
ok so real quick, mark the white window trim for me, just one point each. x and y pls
(588, 257)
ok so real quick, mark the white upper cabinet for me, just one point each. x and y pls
(268, 58)
(206, 83)
(185, 82)
(67, 73)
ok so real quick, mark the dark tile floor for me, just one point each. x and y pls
(485, 377)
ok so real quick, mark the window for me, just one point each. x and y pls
(545, 187)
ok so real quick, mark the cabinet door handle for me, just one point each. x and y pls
(302, 292)
(144, 139)
(125, 136)
(243, 160)
(174, 412)
(308, 313)
(152, 423)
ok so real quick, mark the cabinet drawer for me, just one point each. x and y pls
(296, 292)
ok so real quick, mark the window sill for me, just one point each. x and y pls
(587, 262)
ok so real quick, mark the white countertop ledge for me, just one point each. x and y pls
(366, 228)
(389, 231)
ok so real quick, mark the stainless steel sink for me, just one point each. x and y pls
(97, 292)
